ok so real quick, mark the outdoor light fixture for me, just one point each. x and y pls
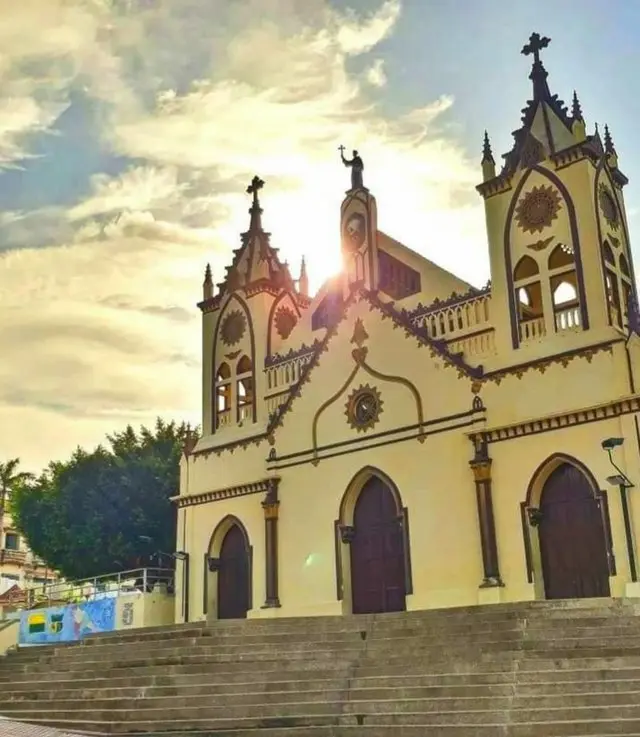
(621, 480)
(611, 443)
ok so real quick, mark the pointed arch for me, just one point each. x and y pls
(244, 308)
(277, 302)
(561, 257)
(355, 486)
(575, 239)
(220, 531)
(546, 468)
(526, 267)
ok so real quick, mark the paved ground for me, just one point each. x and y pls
(15, 729)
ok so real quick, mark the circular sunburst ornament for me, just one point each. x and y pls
(233, 327)
(608, 207)
(285, 321)
(538, 209)
(364, 408)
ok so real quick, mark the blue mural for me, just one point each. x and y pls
(67, 623)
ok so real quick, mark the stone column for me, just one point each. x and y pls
(271, 505)
(481, 467)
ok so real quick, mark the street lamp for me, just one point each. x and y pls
(621, 480)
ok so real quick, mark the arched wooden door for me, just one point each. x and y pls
(377, 552)
(233, 576)
(572, 538)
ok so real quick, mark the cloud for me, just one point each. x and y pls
(194, 97)
(376, 75)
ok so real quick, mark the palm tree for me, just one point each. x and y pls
(9, 477)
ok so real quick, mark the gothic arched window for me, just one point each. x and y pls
(563, 282)
(245, 393)
(528, 290)
(223, 396)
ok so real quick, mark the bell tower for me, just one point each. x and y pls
(359, 230)
(561, 267)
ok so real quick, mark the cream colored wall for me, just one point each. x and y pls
(153, 609)
(581, 383)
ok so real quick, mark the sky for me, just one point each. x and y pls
(129, 130)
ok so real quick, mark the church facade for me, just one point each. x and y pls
(403, 440)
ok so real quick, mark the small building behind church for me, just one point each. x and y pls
(404, 440)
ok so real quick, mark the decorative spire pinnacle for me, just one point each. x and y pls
(207, 285)
(608, 142)
(255, 211)
(303, 281)
(538, 73)
(487, 154)
(488, 162)
(576, 110)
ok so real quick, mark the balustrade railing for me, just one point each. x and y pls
(139, 580)
(470, 315)
(286, 373)
(532, 329)
(567, 318)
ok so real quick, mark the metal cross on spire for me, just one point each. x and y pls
(535, 46)
(256, 185)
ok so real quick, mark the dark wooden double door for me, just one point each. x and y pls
(378, 581)
(234, 575)
(573, 542)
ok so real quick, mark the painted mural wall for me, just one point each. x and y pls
(67, 623)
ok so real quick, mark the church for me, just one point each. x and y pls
(403, 440)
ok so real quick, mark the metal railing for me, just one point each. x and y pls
(139, 580)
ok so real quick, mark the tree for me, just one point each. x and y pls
(107, 510)
(10, 478)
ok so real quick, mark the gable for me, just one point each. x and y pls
(418, 390)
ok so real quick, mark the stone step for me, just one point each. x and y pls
(339, 700)
(550, 628)
(286, 679)
(513, 639)
(309, 668)
(531, 683)
(319, 713)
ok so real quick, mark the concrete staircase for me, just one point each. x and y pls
(567, 669)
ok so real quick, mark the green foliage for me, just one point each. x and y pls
(91, 515)
(10, 478)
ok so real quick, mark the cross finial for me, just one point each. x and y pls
(256, 185)
(535, 46)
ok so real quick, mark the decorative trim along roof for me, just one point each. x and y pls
(626, 406)
(231, 492)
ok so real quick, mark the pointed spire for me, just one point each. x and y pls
(303, 281)
(255, 211)
(538, 73)
(578, 126)
(610, 149)
(576, 110)
(487, 154)
(608, 141)
(207, 285)
(488, 162)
